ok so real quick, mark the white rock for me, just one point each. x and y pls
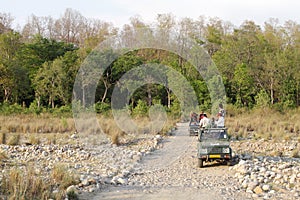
(92, 189)
(272, 192)
(266, 187)
(252, 185)
(71, 188)
(122, 181)
(85, 182)
(45, 153)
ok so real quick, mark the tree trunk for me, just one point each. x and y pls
(6, 94)
(52, 103)
(169, 98)
(39, 102)
(105, 92)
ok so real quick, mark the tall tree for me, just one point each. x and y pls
(49, 82)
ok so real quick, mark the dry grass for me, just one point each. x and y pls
(19, 184)
(264, 124)
(34, 139)
(55, 130)
(295, 153)
(2, 138)
(36, 124)
(62, 177)
(13, 139)
(25, 183)
(3, 156)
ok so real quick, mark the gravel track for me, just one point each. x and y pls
(171, 172)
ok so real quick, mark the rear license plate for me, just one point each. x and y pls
(215, 156)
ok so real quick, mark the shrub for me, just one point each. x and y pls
(61, 176)
(3, 156)
(11, 109)
(102, 107)
(262, 99)
(141, 108)
(33, 139)
(175, 109)
(115, 138)
(72, 195)
(17, 184)
(295, 153)
(14, 139)
(33, 108)
(2, 138)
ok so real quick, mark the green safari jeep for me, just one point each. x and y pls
(214, 145)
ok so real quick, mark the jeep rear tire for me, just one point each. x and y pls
(229, 163)
(200, 163)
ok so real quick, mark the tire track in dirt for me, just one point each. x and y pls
(172, 173)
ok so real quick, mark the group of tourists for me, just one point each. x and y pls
(205, 122)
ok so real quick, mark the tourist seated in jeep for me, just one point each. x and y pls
(221, 117)
(204, 121)
(220, 123)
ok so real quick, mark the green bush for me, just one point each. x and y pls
(175, 109)
(33, 108)
(102, 107)
(262, 99)
(62, 111)
(141, 108)
(11, 109)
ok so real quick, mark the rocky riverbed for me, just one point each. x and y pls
(156, 167)
(269, 178)
(94, 165)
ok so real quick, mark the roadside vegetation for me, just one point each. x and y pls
(22, 181)
(259, 66)
(264, 123)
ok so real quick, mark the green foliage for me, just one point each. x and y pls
(15, 108)
(102, 107)
(242, 83)
(141, 109)
(175, 109)
(49, 81)
(38, 71)
(262, 99)
(34, 108)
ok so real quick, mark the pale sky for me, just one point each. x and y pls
(119, 11)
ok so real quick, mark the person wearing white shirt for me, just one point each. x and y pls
(204, 121)
(220, 121)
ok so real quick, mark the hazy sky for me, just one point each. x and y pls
(119, 11)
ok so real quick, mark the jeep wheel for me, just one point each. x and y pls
(228, 163)
(200, 163)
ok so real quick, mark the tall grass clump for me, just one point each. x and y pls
(266, 123)
(19, 184)
(62, 177)
(14, 139)
(2, 138)
(25, 183)
(30, 123)
(3, 156)
(33, 139)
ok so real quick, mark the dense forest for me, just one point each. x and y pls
(260, 65)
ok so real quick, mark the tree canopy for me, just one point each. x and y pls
(259, 65)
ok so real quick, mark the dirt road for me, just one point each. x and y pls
(172, 173)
